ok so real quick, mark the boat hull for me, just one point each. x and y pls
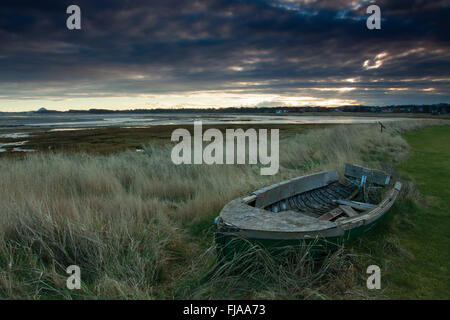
(229, 244)
(248, 221)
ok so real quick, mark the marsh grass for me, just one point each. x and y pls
(291, 272)
(141, 227)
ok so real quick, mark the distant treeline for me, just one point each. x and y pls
(442, 108)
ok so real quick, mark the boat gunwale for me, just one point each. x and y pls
(335, 228)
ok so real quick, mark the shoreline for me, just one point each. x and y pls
(114, 138)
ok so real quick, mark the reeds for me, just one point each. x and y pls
(134, 222)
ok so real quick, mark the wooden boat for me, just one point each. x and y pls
(318, 207)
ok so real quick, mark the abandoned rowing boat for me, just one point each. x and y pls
(316, 206)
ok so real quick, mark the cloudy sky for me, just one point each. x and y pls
(220, 53)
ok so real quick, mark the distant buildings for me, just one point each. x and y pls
(442, 108)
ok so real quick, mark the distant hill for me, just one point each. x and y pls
(43, 110)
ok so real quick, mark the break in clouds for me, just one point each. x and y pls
(220, 53)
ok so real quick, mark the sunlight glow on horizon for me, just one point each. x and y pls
(197, 99)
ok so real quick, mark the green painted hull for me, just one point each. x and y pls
(229, 244)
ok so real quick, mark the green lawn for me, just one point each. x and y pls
(415, 244)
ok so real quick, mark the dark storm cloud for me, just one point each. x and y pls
(279, 47)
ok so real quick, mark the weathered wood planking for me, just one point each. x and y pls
(373, 176)
(314, 195)
(243, 216)
(331, 214)
(348, 210)
(289, 188)
(357, 205)
(292, 225)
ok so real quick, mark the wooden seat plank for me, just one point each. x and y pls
(348, 210)
(331, 214)
(356, 205)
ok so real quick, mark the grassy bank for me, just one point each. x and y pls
(141, 227)
(417, 235)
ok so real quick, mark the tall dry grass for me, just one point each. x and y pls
(132, 221)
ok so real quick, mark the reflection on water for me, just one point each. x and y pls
(15, 135)
(14, 146)
(22, 150)
(16, 143)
